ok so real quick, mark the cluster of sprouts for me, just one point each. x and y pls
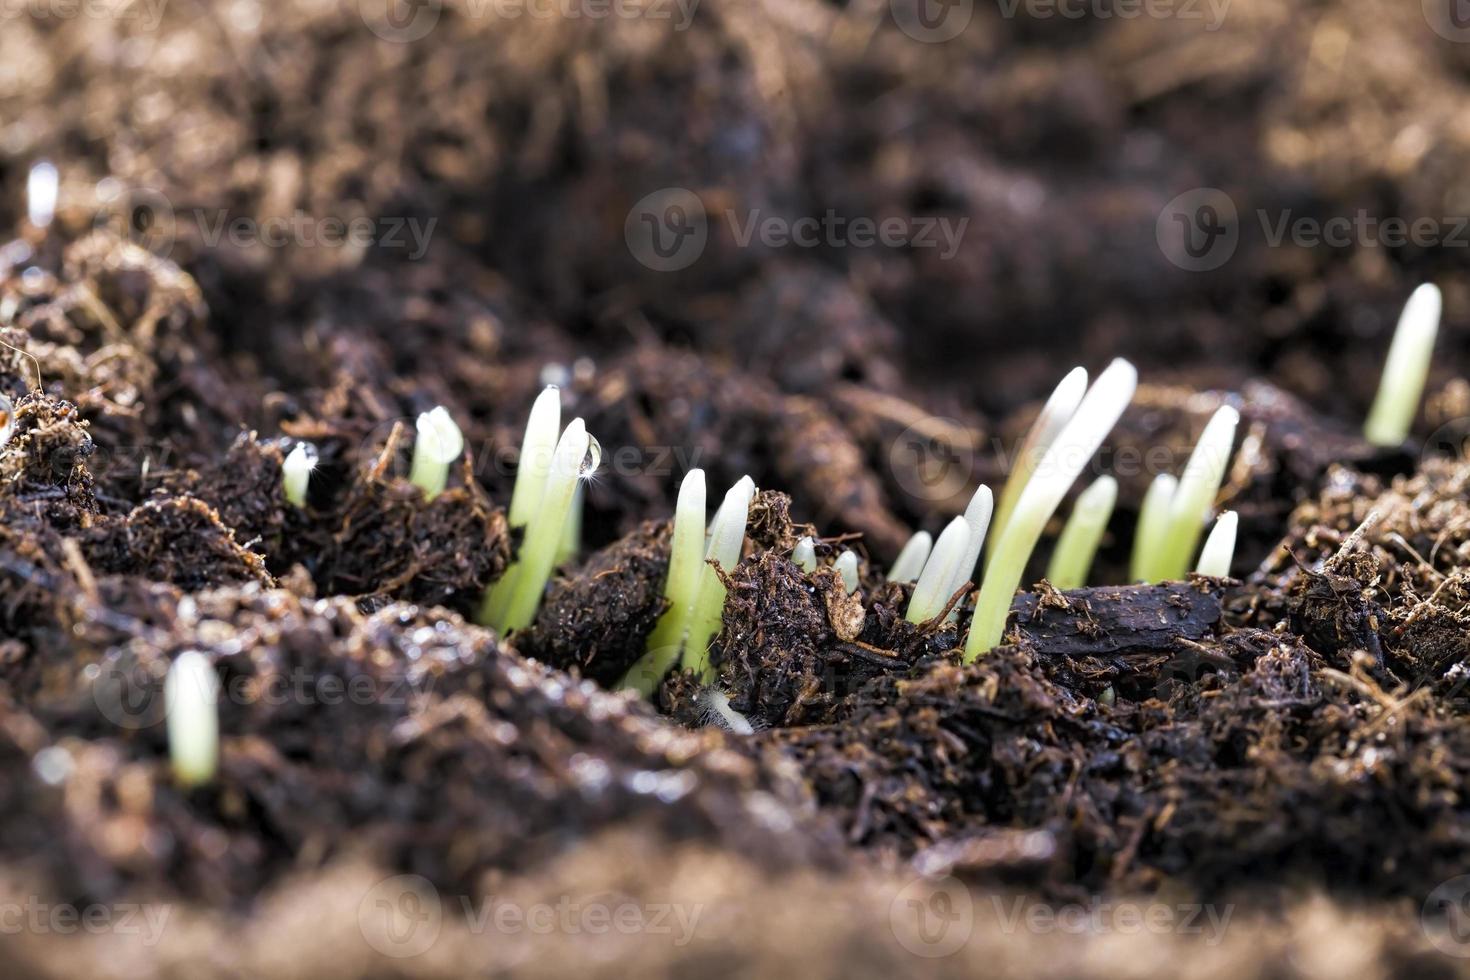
(694, 588)
(543, 504)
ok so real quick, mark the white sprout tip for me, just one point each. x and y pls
(847, 567)
(296, 472)
(1219, 550)
(439, 439)
(805, 555)
(43, 190)
(191, 693)
(1406, 368)
(910, 562)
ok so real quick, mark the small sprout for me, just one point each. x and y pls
(1071, 450)
(1219, 549)
(911, 559)
(7, 419)
(977, 516)
(717, 712)
(537, 446)
(686, 559)
(571, 537)
(1057, 411)
(438, 444)
(1153, 526)
(511, 603)
(943, 569)
(695, 591)
(1406, 369)
(1194, 498)
(43, 190)
(296, 472)
(805, 555)
(727, 536)
(1077, 546)
(190, 693)
(847, 567)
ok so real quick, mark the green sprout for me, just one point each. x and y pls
(977, 515)
(1153, 525)
(847, 567)
(805, 555)
(1066, 456)
(511, 603)
(694, 589)
(1219, 550)
(727, 536)
(296, 472)
(942, 574)
(681, 587)
(1194, 498)
(910, 561)
(1406, 369)
(571, 535)
(1057, 411)
(439, 443)
(190, 695)
(1077, 547)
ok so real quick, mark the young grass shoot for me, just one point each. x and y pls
(1194, 498)
(910, 561)
(1406, 370)
(1219, 549)
(190, 697)
(1055, 414)
(1077, 546)
(1153, 526)
(439, 443)
(1065, 458)
(296, 472)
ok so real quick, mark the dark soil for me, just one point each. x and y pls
(1300, 730)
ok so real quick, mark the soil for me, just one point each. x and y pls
(1293, 741)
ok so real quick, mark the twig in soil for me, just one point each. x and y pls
(1077, 546)
(1218, 553)
(1406, 369)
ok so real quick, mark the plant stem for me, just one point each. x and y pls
(1077, 546)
